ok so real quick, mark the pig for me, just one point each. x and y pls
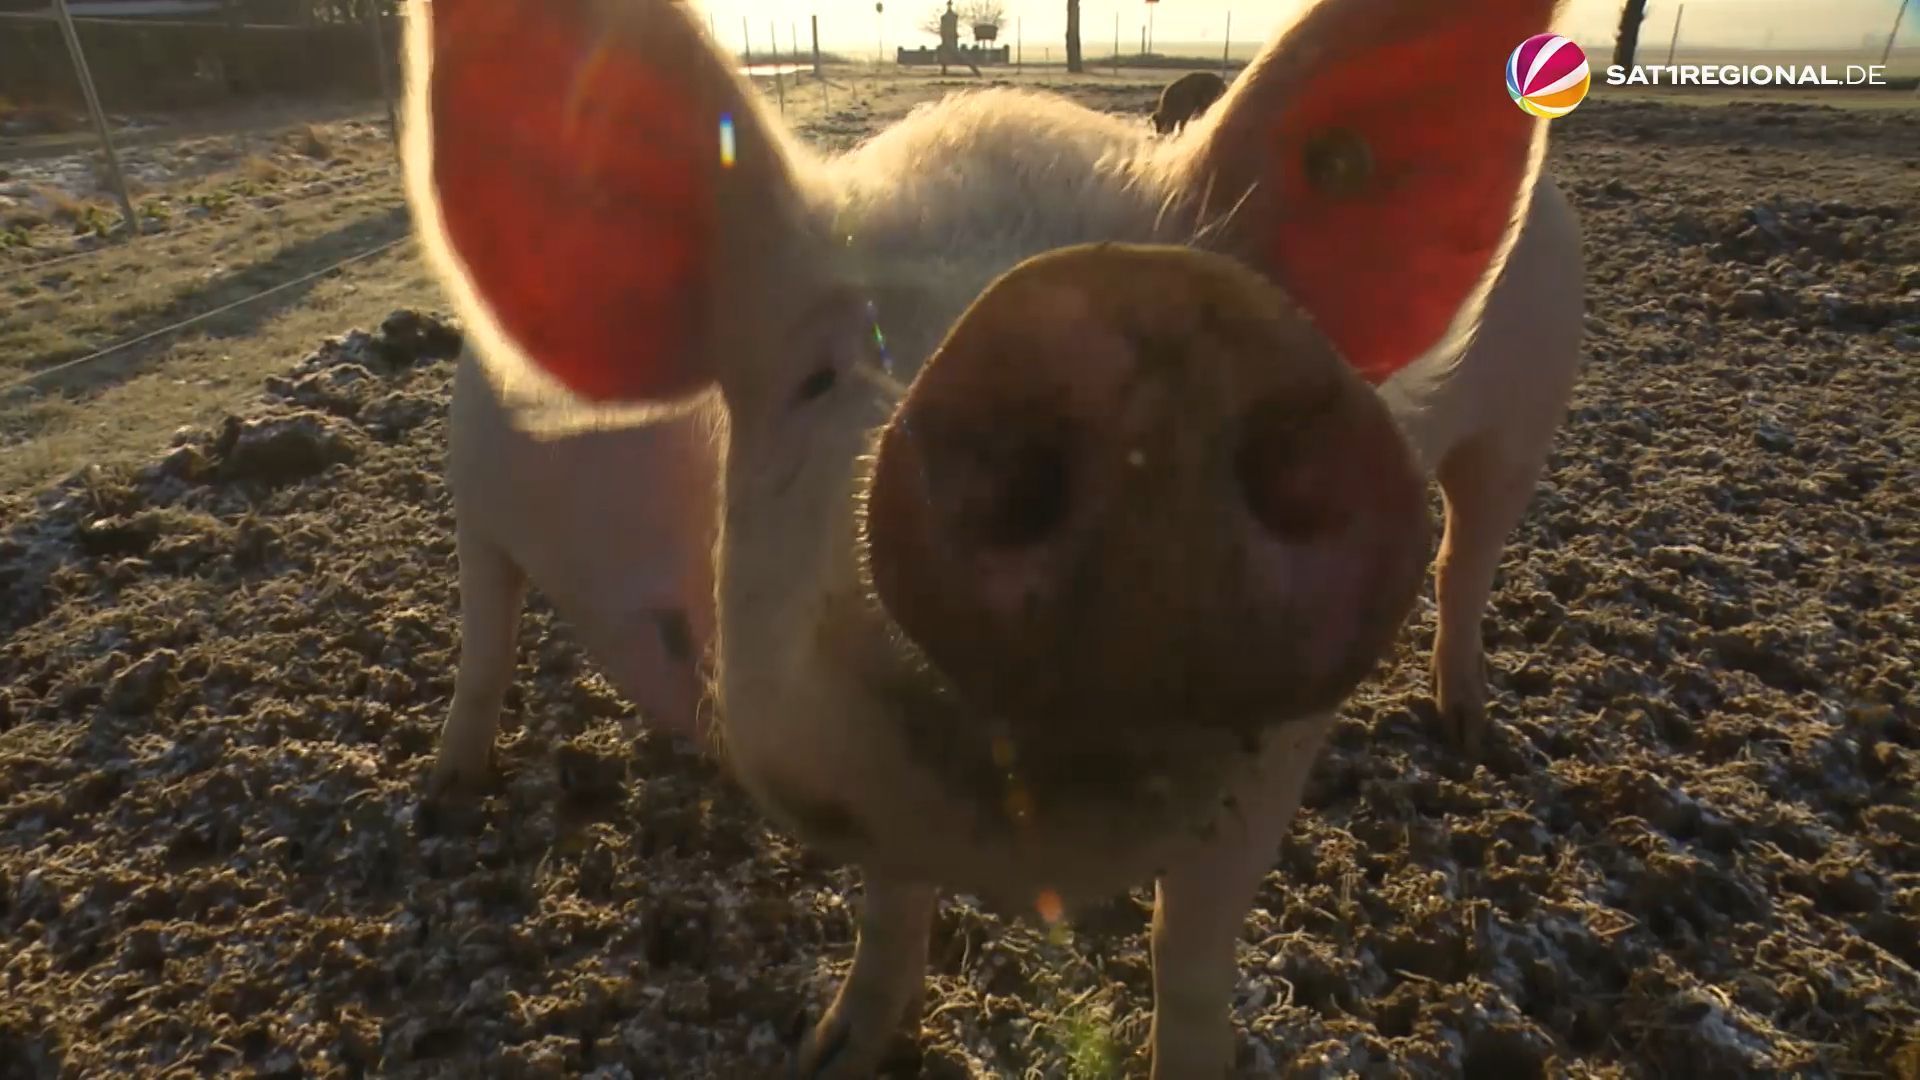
(642, 606)
(1064, 492)
(1185, 98)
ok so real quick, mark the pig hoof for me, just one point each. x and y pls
(1465, 728)
(826, 1053)
(840, 1049)
(1463, 717)
(454, 779)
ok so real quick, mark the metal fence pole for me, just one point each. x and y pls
(376, 31)
(1226, 44)
(779, 84)
(1887, 53)
(1674, 42)
(819, 70)
(99, 116)
(1116, 43)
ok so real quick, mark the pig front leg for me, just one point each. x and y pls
(884, 992)
(1487, 485)
(1201, 903)
(1510, 402)
(492, 591)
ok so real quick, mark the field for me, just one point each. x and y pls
(227, 643)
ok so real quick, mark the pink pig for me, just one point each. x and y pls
(633, 576)
(1067, 481)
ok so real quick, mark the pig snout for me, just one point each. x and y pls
(1135, 496)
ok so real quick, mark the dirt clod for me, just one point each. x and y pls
(283, 449)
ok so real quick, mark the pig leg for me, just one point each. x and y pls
(1201, 903)
(492, 591)
(1488, 483)
(884, 991)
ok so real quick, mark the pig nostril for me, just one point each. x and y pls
(1025, 497)
(1282, 468)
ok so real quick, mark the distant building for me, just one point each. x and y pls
(137, 9)
(121, 9)
(253, 11)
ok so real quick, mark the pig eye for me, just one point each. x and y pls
(816, 384)
(1338, 162)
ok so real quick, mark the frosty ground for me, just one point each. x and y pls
(1691, 850)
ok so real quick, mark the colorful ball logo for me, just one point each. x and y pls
(1547, 76)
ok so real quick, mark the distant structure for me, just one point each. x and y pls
(253, 11)
(979, 55)
(950, 51)
(950, 41)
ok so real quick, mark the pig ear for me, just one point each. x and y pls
(588, 174)
(1371, 162)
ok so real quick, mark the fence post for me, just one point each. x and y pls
(1016, 44)
(1116, 42)
(99, 117)
(779, 84)
(376, 31)
(819, 70)
(1887, 53)
(746, 45)
(1226, 45)
(1674, 41)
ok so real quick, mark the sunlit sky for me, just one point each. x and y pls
(852, 28)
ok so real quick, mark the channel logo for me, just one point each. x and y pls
(1547, 76)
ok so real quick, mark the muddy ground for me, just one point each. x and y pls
(1693, 849)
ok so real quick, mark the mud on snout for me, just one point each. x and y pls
(1132, 515)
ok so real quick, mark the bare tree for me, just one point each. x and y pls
(1631, 16)
(979, 13)
(973, 14)
(1073, 36)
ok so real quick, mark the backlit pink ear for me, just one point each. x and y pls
(584, 155)
(1383, 165)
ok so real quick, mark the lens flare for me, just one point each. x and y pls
(879, 339)
(1049, 906)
